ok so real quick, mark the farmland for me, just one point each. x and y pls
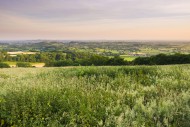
(73, 53)
(129, 96)
(106, 48)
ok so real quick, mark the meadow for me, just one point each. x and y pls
(125, 96)
(128, 58)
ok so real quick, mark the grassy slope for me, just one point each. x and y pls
(96, 96)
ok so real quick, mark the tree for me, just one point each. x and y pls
(4, 65)
(23, 64)
(117, 60)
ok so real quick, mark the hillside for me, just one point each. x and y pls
(108, 48)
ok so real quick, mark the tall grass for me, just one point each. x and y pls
(96, 96)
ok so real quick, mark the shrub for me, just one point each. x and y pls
(23, 64)
(4, 65)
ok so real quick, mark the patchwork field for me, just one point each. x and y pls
(156, 96)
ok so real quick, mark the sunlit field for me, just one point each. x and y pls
(36, 64)
(128, 58)
(149, 96)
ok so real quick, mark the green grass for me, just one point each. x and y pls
(128, 58)
(156, 96)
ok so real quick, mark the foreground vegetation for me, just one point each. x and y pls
(154, 96)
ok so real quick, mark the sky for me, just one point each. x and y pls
(95, 19)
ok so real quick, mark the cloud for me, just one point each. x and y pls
(95, 19)
(83, 10)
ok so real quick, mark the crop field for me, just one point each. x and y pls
(138, 96)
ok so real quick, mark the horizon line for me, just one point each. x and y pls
(91, 40)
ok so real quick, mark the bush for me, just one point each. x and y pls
(59, 63)
(163, 59)
(23, 64)
(4, 65)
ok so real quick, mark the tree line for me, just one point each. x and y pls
(95, 60)
(38, 57)
(163, 59)
(58, 59)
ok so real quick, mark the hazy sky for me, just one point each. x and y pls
(95, 19)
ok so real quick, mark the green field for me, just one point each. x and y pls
(139, 96)
(128, 58)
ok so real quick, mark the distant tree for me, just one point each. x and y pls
(23, 64)
(163, 59)
(4, 65)
(59, 63)
(142, 61)
(117, 60)
(98, 60)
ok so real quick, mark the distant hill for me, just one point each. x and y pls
(108, 48)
